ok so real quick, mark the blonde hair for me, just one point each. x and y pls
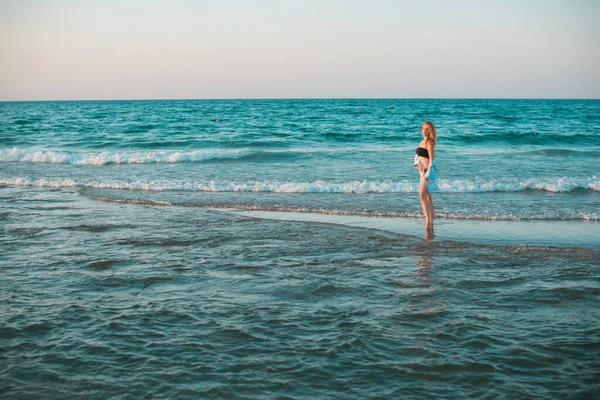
(432, 134)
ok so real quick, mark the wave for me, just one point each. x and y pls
(116, 157)
(100, 158)
(555, 185)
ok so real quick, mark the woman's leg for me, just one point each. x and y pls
(424, 197)
(431, 211)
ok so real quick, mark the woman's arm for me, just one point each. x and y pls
(430, 147)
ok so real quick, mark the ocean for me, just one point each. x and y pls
(275, 249)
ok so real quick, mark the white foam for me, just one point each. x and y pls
(26, 181)
(297, 187)
(557, 184)
(115, 157)
(358, 187)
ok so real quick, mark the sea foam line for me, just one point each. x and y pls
(562, 184)
(116, 157)
(481, 216)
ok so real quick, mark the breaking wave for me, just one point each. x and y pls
(116, 157)
(555, 185)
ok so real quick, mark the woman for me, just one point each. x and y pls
(427, 170)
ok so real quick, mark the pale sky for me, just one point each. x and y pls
(182, 49)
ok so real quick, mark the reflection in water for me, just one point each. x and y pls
(426, 304)
(423, 263)
(426, 255)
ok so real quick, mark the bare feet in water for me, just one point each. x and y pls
(429, 234)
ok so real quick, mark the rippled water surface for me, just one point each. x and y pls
(126, 273)
(106, 299)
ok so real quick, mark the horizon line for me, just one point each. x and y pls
(299, 98)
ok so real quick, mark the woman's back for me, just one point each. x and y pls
(423, 153)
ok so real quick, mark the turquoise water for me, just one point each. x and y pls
(541, 153)
(127, 272)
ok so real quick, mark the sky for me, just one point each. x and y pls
(182, 49)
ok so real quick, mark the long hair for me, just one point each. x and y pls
(432, 133)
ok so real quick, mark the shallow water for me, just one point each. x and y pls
(105, 299)
(538, 233)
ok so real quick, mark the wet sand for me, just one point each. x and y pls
(535, 233)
